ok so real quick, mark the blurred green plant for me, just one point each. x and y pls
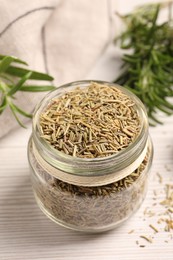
(147, 68)
(9, 75)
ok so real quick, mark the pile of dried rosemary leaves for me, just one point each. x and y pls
(90, 122)
(88, 208)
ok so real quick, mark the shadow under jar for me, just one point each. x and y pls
(89, 194)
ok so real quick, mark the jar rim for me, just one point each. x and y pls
(49, 151)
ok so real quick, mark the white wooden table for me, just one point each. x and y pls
(26, 233)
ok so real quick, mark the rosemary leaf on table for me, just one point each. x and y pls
(147, 68)
(9, 75)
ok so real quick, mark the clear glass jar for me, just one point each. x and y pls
(115, 186)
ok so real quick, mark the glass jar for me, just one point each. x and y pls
(84, 194)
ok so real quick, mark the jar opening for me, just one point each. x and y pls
(74, 165)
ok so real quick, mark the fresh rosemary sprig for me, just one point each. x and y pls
(9, 74)
(148, 66)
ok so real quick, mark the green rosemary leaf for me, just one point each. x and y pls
(20, 72)
(3, 88)
(5, 62)
(164, 109)
(14, 59)
(20, 111)
(34, 88)
(19, 84)
(3, 105)
(17, 118)
(6, 78)
(130, 58)
(154, 26)
(155, 120)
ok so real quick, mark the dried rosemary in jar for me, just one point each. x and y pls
(90, 155)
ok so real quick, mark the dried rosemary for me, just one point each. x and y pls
(90, 207)
(90, 122)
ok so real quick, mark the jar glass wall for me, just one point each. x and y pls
(89, 208)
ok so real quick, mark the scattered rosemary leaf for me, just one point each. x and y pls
(131, 231)
(159, 177)
(170, 210)
(147, 238)
(154, 228)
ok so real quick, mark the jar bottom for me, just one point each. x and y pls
(79, 209)
(87, 229)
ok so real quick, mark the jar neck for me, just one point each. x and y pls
(90, 167)
(102, 176)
